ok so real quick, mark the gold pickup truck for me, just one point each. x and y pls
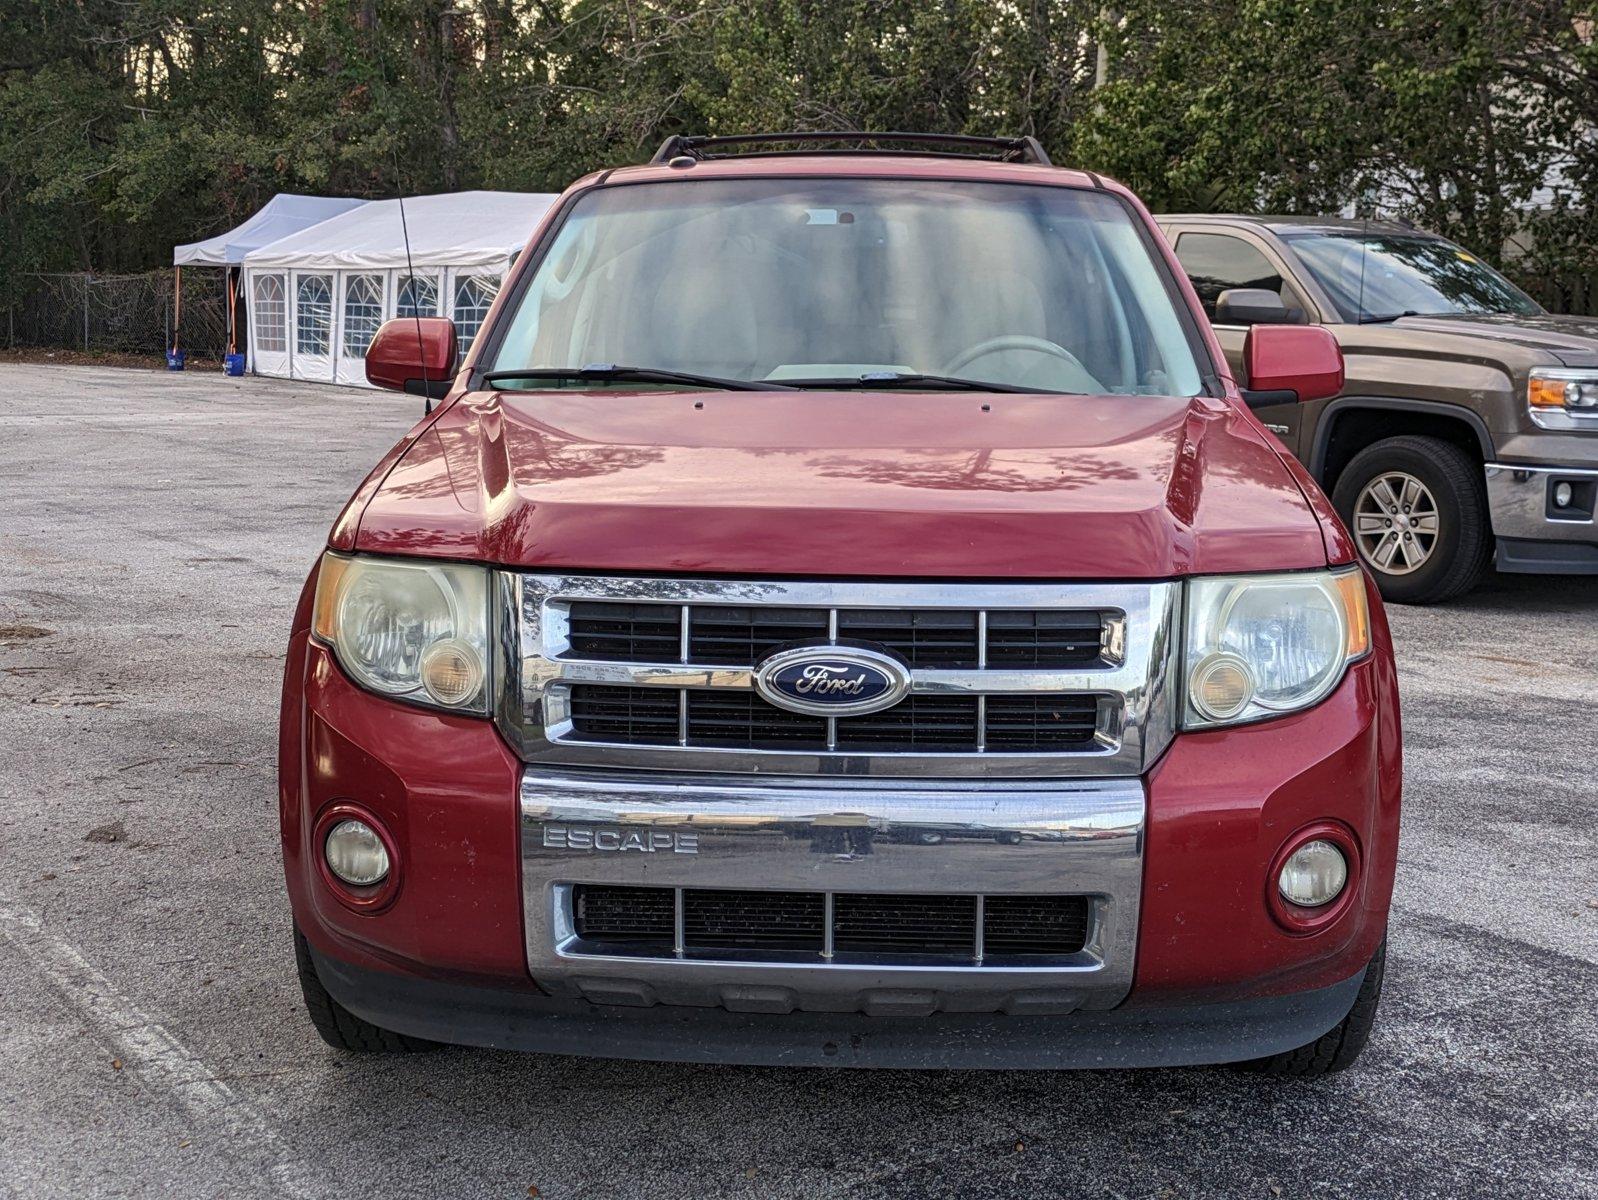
(1467, 429)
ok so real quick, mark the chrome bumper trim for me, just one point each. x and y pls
(1082, 837)
(1517, 497)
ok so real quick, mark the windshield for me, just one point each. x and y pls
(1373, 276)
(813, 280)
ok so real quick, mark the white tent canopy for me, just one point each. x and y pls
(316, 297)
(282, 215)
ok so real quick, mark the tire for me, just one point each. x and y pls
(1452, 480)
(339, 1027)
(1339, 1047)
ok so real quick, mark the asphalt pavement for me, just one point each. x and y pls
(154, 533)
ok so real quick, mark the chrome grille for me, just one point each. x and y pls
(931, 637)
(1006, 680)
(644, 716)
(745, 634)
(625, 632)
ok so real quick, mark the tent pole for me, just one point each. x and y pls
(177, 305)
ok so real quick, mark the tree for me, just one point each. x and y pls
(127, 126)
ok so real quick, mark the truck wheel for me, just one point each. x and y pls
(1338, 1047)
(1417, 509)
(339, 1027)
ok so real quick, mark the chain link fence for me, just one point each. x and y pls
(120, 314)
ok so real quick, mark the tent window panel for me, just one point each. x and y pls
(473, 296)
(363, 312)
(418, 297)
(313, 315)
(270, 306)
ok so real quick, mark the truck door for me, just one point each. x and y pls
(1216, 262)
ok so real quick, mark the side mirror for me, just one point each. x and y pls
(413, 354)
(1253, 306)
(1289, 364)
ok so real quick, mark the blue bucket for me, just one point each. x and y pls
(175, 358)
(233, 364)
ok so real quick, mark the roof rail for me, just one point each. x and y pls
(954, 145)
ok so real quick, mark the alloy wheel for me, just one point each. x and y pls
(1396, 523)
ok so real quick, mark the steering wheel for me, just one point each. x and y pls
(1011, 341)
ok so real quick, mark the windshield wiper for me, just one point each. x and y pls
(614, 373)
(1384, 318)
(873, 380)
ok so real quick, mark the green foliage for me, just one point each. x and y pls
(129, 125)
(1454, 113)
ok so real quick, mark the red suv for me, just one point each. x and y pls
(843, 611)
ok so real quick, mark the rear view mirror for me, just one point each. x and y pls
(1253, 306)
(413, 354)
(1291, 363)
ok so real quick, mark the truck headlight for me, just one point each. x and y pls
(411, 629)
(1563, 399)
(1258, 646)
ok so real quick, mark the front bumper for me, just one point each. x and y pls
(504, 1018)
(815, 835)
(1533, 534)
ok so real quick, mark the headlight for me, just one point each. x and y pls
(1261, 645)
(1563, 399)
(407, 628)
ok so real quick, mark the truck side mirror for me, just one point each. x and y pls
(413, 354)
(1253, 306)
(1291, 363)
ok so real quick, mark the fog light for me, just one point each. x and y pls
(451, 672)
(356, 854)
(1222, 686)
(1563, 494)
(1313, 875)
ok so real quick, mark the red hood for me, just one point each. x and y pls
(846, 484)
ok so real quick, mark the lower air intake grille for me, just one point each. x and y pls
(865, 926)
(1034, 924)
(906, 924)
(753, 920)
(633, 916)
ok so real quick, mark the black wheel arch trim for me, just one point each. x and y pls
(1327, 421)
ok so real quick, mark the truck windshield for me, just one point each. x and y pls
(1374, 277)
(812, 282)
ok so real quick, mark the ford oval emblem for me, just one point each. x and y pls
(832, 681)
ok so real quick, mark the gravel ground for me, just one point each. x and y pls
(154, 531)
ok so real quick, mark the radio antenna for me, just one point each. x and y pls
(405, 235)
(410, 276)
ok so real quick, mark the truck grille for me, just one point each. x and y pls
(1004, 679)
(742, 720)
(976, 929)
